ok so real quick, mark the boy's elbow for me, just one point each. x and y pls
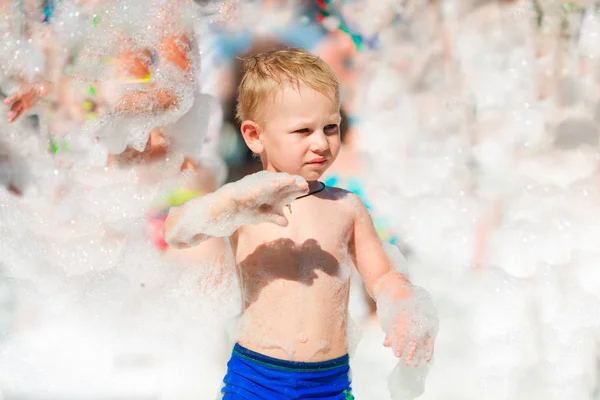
(172, 240)
(171, 222)
(178, 243)
(170, 230)
(175, 236)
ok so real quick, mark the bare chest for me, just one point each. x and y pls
(311, 250)
(318, 231)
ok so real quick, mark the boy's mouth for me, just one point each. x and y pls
(317, 161)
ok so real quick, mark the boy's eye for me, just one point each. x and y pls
(303, 130)
(331, 127)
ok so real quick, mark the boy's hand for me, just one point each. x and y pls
(413, 347)
(265, 194)
(255, 199)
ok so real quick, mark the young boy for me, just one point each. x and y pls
(294, 240)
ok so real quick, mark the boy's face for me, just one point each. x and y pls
(301, 132)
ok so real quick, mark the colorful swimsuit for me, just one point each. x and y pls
(253, 376)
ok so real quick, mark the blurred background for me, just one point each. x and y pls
(470, 130)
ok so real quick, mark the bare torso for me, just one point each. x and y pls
(295, 280)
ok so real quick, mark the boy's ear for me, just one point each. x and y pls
(251, 133)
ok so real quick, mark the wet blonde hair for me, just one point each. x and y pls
(265, 73)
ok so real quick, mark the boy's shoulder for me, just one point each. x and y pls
(344, 198)
(338, 193)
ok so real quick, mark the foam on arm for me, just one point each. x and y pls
(255, 199)
(200, 218)
(381, 269)
(406, 312)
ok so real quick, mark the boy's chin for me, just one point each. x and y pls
(312, 175)
(309, 174)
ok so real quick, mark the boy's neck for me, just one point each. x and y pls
(313, 186)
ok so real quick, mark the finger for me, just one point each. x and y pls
(280, 181)
(429, 349)
(421, 353)
(303, 186)
(416, 359)
(387, 342)
(17, 107)
(287, 191)
(278, 219)
(250, 198)
(12, 98)
(400, 345)
(19, 113)
(301, 183)
(399, 351)
(282, 221)
(14, 112)
(410, 355)
(293, 188)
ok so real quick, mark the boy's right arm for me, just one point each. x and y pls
(257, 198)
(179, 230)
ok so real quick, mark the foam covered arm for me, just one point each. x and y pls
(200, 218)
(406, 312)
(255, 199)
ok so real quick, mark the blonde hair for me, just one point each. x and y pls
(266, 72)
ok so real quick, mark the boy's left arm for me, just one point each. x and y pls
(371, 260)
(392, 291)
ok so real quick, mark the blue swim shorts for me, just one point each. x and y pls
(253, 376)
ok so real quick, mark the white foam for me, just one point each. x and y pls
(255, 199)
(89, 306)
(524, 329)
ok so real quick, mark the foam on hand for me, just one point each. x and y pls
(407, 320)
(255, 199)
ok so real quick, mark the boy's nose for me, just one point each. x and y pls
(319, 142)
